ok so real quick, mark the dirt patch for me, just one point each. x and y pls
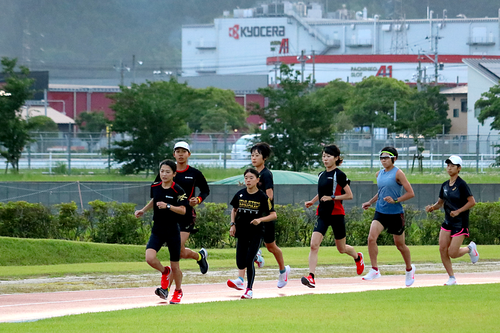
(106, 281)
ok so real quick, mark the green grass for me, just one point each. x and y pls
(468, 308)
(438, 176)
(21, 258)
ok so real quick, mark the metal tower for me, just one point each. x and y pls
(399, 41)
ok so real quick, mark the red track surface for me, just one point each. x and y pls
(27, 307)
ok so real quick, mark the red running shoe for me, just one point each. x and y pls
(360, 265)
(176, 299)
(165, 278)
(308, 281)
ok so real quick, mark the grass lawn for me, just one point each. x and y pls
(491, 175)
(467, 308)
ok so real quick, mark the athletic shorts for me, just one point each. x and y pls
(173, 241)
(187, 225)
(269, 232)
(455, 229)
(337, 222)
(393, 223)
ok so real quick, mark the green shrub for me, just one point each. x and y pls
(213, 227)
(293, 228)
(69, 223)
(26, 220)
(60, 168)
(484, 223)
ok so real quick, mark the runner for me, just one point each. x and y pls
(389, 213)
(251, 207)
(169, 204)
(457, 199)
(333, 188)
(260, 153)
(189, 178)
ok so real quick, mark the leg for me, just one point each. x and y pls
(342, 247)
(276, 251)
(399, 241)
(455, 251)
(253, 247)
(185, 252)
(444, 244)
(316, 240)
(375, 229)
(176, 274)
(153, 261)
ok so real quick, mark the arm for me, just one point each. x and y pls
(312, 201)
(181, 210)
(271, 217)
(436, 206)
(140, 212)
(346, 196)
(202, 185)
(270, 193)
(401, 178)
(470, 203)
(367, 204)
(232, 229)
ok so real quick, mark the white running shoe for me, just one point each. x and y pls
(372, 274)
(410, 276)
(474, 255)
(259, 259)
(283, 278)
(236, 284)
(451, 281)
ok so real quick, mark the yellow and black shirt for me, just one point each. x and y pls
(250, 207)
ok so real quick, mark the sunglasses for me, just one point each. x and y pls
(383, 158)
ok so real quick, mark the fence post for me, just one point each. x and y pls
(69, 152)
(371, 152)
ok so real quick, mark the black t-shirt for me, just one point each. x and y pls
(325, 187)
(266, 181)
(189, 179)
(455, 197)
(164, 218)
(250, 207)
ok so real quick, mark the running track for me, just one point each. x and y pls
(29, 307)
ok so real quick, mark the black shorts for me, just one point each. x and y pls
(269, 232)
(455, 229)
(393, 223)
(173, 240)
(337, 222)
(187, 224)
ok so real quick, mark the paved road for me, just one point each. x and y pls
(29, 307)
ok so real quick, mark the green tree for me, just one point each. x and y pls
(489, 103)
(15, 131)
(150, 116)
(43, 124)
(94, 121)
(212, 108)
(296, 126)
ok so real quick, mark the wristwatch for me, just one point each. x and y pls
(168, 206)
(232, 223)
(333, 197)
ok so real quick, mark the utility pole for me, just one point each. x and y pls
(133, 68)
(314, 69)
(435, 38)
(303, 59)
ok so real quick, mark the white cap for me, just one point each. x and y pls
(454, 159)
(183, 145)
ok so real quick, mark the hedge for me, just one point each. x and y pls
(112, 222)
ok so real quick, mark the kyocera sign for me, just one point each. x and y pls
(238, 32)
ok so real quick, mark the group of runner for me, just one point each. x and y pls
(253, 217)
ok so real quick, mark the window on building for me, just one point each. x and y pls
(456, 113)
(463, 105)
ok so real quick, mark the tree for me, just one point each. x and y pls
(150, 116)
(43, 124)
(14, 135)
(296, 126)
(94, 121)
(489, 103)
(215, 109)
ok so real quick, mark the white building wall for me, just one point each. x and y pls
(478, 84)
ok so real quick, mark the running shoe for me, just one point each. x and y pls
(474, 255)
(451, 281)
(283, 277)
(203, 263)
(410, 276)
(372, 274)
(165, 278)
(360, 265)
(259, 259)
(236, 284)
(176, 299)
(162, 293)
(248, 294)
(308, 281)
